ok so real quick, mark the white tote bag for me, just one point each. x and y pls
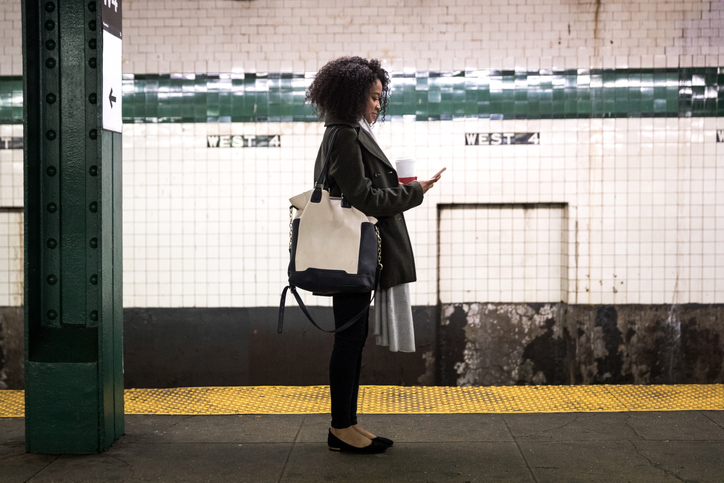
(334, 248)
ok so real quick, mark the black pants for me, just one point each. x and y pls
(346, 360)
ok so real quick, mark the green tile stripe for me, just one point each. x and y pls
(11, 100)
(423, 96)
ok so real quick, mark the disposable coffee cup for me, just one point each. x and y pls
(406, 169)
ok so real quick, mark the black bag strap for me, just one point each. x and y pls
(309, 316)
(323, 179)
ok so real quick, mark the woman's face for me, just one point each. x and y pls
(373, 102)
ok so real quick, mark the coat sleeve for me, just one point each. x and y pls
(347, 169)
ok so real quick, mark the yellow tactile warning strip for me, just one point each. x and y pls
(410, 400)
(12, 404)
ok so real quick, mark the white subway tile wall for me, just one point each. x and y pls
(11, 38)
(11, 258)
(11, 216)
(209, 226)
(11, 166)
(300, 35)
(503, 253)
(643, 221)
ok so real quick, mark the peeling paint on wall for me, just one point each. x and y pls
(502, 341)
(473, 344)
(669, 344)
(505, 344)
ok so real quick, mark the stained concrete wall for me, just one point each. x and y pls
(504, 344)
(473, 344)
(12, 371)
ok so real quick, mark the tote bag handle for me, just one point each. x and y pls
(309, 316)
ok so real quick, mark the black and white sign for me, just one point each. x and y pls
(501, 138)
(720, 136)
(112, 70)
(11, 143)
(112, 17)
(243, 141)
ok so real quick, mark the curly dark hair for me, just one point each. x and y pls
(341, 88)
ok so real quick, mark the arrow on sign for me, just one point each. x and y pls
(111, 98)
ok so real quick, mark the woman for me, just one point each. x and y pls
(351, 92)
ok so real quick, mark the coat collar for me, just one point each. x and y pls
(331, 121)
(371, 145)
(364, 138)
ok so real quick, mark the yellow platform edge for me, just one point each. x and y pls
(409, 399)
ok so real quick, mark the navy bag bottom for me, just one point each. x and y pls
(330, 282)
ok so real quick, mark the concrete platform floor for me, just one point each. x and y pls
(569, 447)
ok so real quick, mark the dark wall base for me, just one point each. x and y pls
(504, 344)
(12, 348)
(473, 344)
(240, 346)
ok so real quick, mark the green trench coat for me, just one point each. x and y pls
(361, 171)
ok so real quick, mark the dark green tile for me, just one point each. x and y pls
(546, 110)
(484, 109)
(544, 94)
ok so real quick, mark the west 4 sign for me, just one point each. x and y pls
(501, 138)
(243, 141)
(112, 71)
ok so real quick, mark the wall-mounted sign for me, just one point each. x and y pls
(720, 136)
(112, 70)
(500, 138)
(11, 143)
(243, 141)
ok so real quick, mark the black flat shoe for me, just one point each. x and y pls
(336, 444)
(382, 440)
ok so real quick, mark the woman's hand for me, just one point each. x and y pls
(426, 185)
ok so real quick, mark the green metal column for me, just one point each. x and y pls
(73, 255)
